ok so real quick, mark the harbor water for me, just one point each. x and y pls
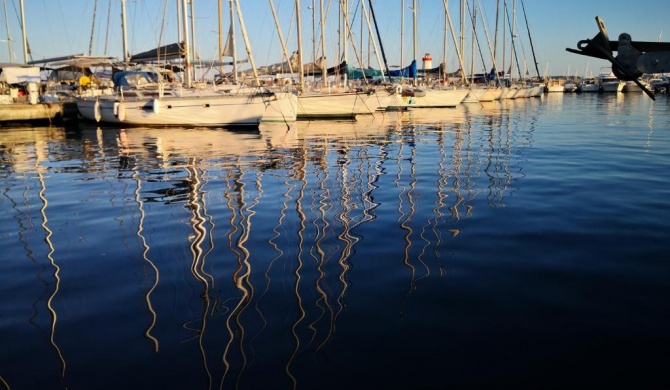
(520, 243)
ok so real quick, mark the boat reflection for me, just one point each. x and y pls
(247, 241)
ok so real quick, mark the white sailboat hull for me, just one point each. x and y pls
(336, 105)
(282, 107)
(243, 110)
(436, 98)
(487, 94)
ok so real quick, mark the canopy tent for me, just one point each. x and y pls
(18, 73)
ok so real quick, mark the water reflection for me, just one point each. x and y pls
(249, 241)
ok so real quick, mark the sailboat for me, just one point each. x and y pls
(438, 97)
(151, 97)
(336, 102)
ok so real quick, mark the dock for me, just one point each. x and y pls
(40, 112)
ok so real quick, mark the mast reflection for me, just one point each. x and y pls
(262, 237)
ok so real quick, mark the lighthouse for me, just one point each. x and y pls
(427, 62)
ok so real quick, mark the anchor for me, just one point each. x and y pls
(634, 58)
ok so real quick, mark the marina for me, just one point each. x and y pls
(489, 245)
(319, 195)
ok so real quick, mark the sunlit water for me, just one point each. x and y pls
(520, 243)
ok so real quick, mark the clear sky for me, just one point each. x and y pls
(63, 27)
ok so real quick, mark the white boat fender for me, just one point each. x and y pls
(398, 89)
(96, 111)
(120, 111)
(156, 104)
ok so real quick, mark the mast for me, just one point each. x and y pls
(495, 36)
(220, 16)
(281, 37)
(444, 44)
(414, 37)
(246, 43)
(109, 13)
(374, 19)
(530, 39)
(124, 33)
(402, 30)
(324, 71)
(345, 52)
(220, 19)
(232, 40)
(187, 49)
(472, 44)
(299, 32)
(514, 36)
(9, 39)
(504, 38)
(313, 8)
(192, 29)
(379, 61)
(23, 34)
(90, 45)
(462, 26)
(513, 55)
(453, 36)
(179, 38)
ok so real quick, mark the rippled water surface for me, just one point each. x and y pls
(522, 243)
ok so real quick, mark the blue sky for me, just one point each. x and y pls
(63, 27)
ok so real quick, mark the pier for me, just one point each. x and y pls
(40, 112)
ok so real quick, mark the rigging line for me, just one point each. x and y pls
(473, 18)
(109, 13)
(9, 38)
(386, 64)
(530, 39)
(90, 45)
(18, 17)
(160, 34)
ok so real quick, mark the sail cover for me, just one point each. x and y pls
(408, 71)
(167, 52)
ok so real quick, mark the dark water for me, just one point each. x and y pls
(516, 244)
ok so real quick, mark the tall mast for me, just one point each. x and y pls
(345, 44)
(324, 71)
(90, 45)
(374, 19)
(444, 41)
(299, 32)
(232, 40)
(488, 43)
(313, 8)
(402, 29)
(495, 36)
(458, 51)
(187, 49)
(246, 43)
(462, 27)
(9, 39)
(504, 38)
(192, 30)
(109, 13)
(513, 35)
(371, 40)
(124, 33)
(530, 39)
(414, 38)
(220, 16)
(23, 34)
(472, 44)
(281, 37)
(179, 38)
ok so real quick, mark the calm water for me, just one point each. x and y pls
(522, 243)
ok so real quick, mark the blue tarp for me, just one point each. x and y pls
(407, 72)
